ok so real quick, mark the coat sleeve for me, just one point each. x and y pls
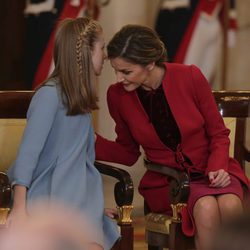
(40, 117)
(124, 149)
(215, 128)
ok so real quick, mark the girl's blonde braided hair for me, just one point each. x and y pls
(75, 39)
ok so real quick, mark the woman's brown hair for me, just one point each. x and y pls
(137, 44)
(74, 40)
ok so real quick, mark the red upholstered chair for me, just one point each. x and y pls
(164, 231)
(13, 108)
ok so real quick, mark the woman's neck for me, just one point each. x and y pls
(155, 78)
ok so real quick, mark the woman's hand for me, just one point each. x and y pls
(111, 213)
(219, 178)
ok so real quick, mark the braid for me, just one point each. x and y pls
(74, 41)
(81, 38)
(79, 43)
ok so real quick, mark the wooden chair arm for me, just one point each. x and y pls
(5, 198)
(5, 191)
(247, 154)
(14, 104)
(123, 192)
(179, 181)
(124, 188)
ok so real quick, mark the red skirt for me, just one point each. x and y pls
(200, 188)
(157, 198)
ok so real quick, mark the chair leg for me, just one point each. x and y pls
(177, 240)
(154, 248)
(127, 240)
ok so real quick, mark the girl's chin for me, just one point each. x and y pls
(98, 73)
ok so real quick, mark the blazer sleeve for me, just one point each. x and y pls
(124, 149)
(40, 117)
(214, 125)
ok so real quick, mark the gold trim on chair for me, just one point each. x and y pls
(124, 214)
(3, 215)
(176, 208)
(158, 223)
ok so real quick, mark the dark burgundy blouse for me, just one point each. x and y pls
(156, 106)
(160, 115)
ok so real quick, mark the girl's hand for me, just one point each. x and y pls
(111, 213)
(219, 178)
(16, 217)
(18, 214)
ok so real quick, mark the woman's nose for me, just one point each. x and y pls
(119, 77)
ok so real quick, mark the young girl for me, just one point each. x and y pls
(56, 157)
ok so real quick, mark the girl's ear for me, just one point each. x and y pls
(150, 66)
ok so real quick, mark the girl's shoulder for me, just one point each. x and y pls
(48, 92)
(45, 101)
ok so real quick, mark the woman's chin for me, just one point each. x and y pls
(130, 87)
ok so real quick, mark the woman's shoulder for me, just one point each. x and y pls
(116, 88)
(179, 66)
(176, 67)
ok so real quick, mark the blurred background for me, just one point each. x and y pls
(214, 35)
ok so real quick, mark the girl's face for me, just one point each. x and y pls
(98, 54)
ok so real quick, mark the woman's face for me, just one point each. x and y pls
(129, 74)
(98, 54)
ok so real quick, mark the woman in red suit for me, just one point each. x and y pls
(168, 109)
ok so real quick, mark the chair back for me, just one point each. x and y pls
(236, 105)
(13, 109)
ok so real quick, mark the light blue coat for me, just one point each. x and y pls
(56, 160)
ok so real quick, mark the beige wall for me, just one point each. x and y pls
(121, 12)
(239, 56)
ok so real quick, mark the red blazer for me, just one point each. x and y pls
(204, 137)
